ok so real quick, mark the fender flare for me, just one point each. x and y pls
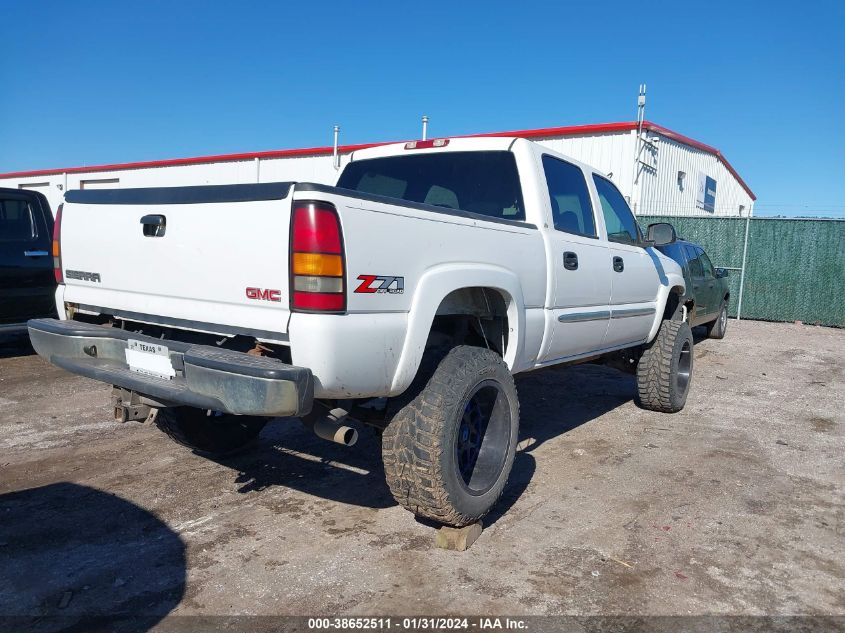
(435, 284)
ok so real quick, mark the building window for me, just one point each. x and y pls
(102, 183)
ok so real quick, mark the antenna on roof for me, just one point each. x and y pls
(635, 177)
(425, 127)
(641, 108)
(335, 156)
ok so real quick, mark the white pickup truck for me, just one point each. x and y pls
(404, 298)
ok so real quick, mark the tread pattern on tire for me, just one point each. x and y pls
(412, 444)
(655, 380)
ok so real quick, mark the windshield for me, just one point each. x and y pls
(486, 183)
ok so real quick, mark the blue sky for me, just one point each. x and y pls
(90, 82)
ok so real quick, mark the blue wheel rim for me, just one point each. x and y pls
(470, 435)
(482, 438)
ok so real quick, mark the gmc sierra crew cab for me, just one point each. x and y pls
(404, 298)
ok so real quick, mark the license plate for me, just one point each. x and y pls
(151, 359)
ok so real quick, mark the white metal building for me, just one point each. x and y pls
(659, 171)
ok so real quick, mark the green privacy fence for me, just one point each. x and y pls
(794, 269)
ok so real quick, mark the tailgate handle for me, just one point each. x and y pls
(154, 225)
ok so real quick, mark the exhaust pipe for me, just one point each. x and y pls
(329, 427)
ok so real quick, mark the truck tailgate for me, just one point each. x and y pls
(220, 257)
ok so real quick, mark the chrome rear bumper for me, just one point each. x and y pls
(206, 377)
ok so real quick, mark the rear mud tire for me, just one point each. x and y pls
(433, 466)
(664, 372)
(214, 435)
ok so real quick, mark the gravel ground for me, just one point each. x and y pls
(733, 506)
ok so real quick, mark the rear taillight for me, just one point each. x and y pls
(57, 248)
(318, 281)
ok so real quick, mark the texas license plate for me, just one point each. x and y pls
(151, 359)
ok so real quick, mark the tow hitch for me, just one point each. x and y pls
(128, 406)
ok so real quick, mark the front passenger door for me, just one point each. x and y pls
(710, 287)
(634, 275)
(701, 302)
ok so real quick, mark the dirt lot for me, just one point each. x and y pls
(734, 506)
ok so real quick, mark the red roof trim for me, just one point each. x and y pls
(571, 130)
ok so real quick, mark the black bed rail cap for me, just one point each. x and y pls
(182, 195)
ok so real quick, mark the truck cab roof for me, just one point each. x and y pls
(463, 144)
(459, 144)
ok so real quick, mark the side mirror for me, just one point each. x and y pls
(661, 233)
(721, 273)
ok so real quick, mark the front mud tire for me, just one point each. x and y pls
(448, 452)
(664, 372)
(216, 435)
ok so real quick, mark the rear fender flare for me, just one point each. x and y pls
(433, 287)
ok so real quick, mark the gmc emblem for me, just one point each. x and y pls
(263, 294)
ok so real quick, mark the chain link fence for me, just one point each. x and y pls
(790, 270)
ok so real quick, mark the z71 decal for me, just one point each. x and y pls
(382, 284)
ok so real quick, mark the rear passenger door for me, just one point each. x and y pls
(26, 267)
(577, 310)
(634, 275)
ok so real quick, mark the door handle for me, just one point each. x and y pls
(35, 253)
(618, 264)
(154, 225)
(570, 260)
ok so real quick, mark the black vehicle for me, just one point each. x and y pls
(707, 286)
(27, 282)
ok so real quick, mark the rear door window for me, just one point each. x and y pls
(486, 183)
(572, 211)
(17, 221)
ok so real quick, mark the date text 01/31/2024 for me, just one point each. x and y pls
(416, 623)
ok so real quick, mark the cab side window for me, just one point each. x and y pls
(695, 267)
(618, 219)
(572, 211)
(706, 264)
